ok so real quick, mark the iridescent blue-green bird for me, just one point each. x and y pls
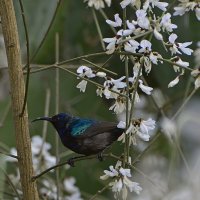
(84, 136)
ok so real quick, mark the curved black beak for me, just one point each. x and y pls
(49, 119)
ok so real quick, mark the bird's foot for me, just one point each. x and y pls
(100, 156)
(71, 162)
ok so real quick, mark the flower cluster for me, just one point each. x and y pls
(42, 159)
(187, 5)
(113, 88)
(121, 180)
(139, 127)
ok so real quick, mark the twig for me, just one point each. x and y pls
(99, 192)
(49, 28)
(10, 155)
(183, 105)
(27, 57)
(59, 165)
(57, 99)
(98, 29)
(100, 67)
(11, 184)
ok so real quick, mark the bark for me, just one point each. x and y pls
(17, 85)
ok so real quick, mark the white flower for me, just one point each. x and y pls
(125, 3)
(132, 186)
(114, 85)
(121, 181)
(99, 92)
(142, 20)
(166, 23)
(180, 62)
(145, 46)
(131, 46)
(98, 3)
(101, 74)
(121, 125)
(179, 10)
(119, 106)
(174, 82)
(157, 35)
(154, 56)
(69, 185)
(147, 64)
(197, 82)
(82, 85)
(181, 46)
(197, 12)
(123, 32)
(145, 127)
(111, 44)
(85, 71)
(145, 88)
(155, 3)
(116, 23)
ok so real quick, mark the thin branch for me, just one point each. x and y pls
(183, 105)
(57, 99)
(99, 192)
(100, 68)
(59, 165)
(27, 56)
(98, 29)
(49, 28)
(9, 155)
(11, 184)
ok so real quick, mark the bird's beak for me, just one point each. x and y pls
(49, 119)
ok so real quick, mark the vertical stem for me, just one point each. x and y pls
(17, 87)
(57, 109)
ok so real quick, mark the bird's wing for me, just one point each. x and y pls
(96, 129)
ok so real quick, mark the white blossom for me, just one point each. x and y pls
(173, 82)
(111, 44)
(145, 46)
(97, 4)
(181, 46)
(125, 3)
(116, 23)
(121, 125)
(157, 35)
(121, 181)
(119, 106)
(180, 62)
(85, 71)
(166, 23)
(154, 56)
(155, 3)
(131, 46)
(197, 12)
(101, 74)
(82, 85)
(197, 82)
(142, 20)
(144, 88)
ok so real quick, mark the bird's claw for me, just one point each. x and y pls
(71, 162)
(100, 156)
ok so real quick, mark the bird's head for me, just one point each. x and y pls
(59, 121)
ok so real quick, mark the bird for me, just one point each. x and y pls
(84, 136)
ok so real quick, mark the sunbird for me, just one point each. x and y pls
(84, 136)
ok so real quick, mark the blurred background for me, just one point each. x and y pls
(74, 23)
